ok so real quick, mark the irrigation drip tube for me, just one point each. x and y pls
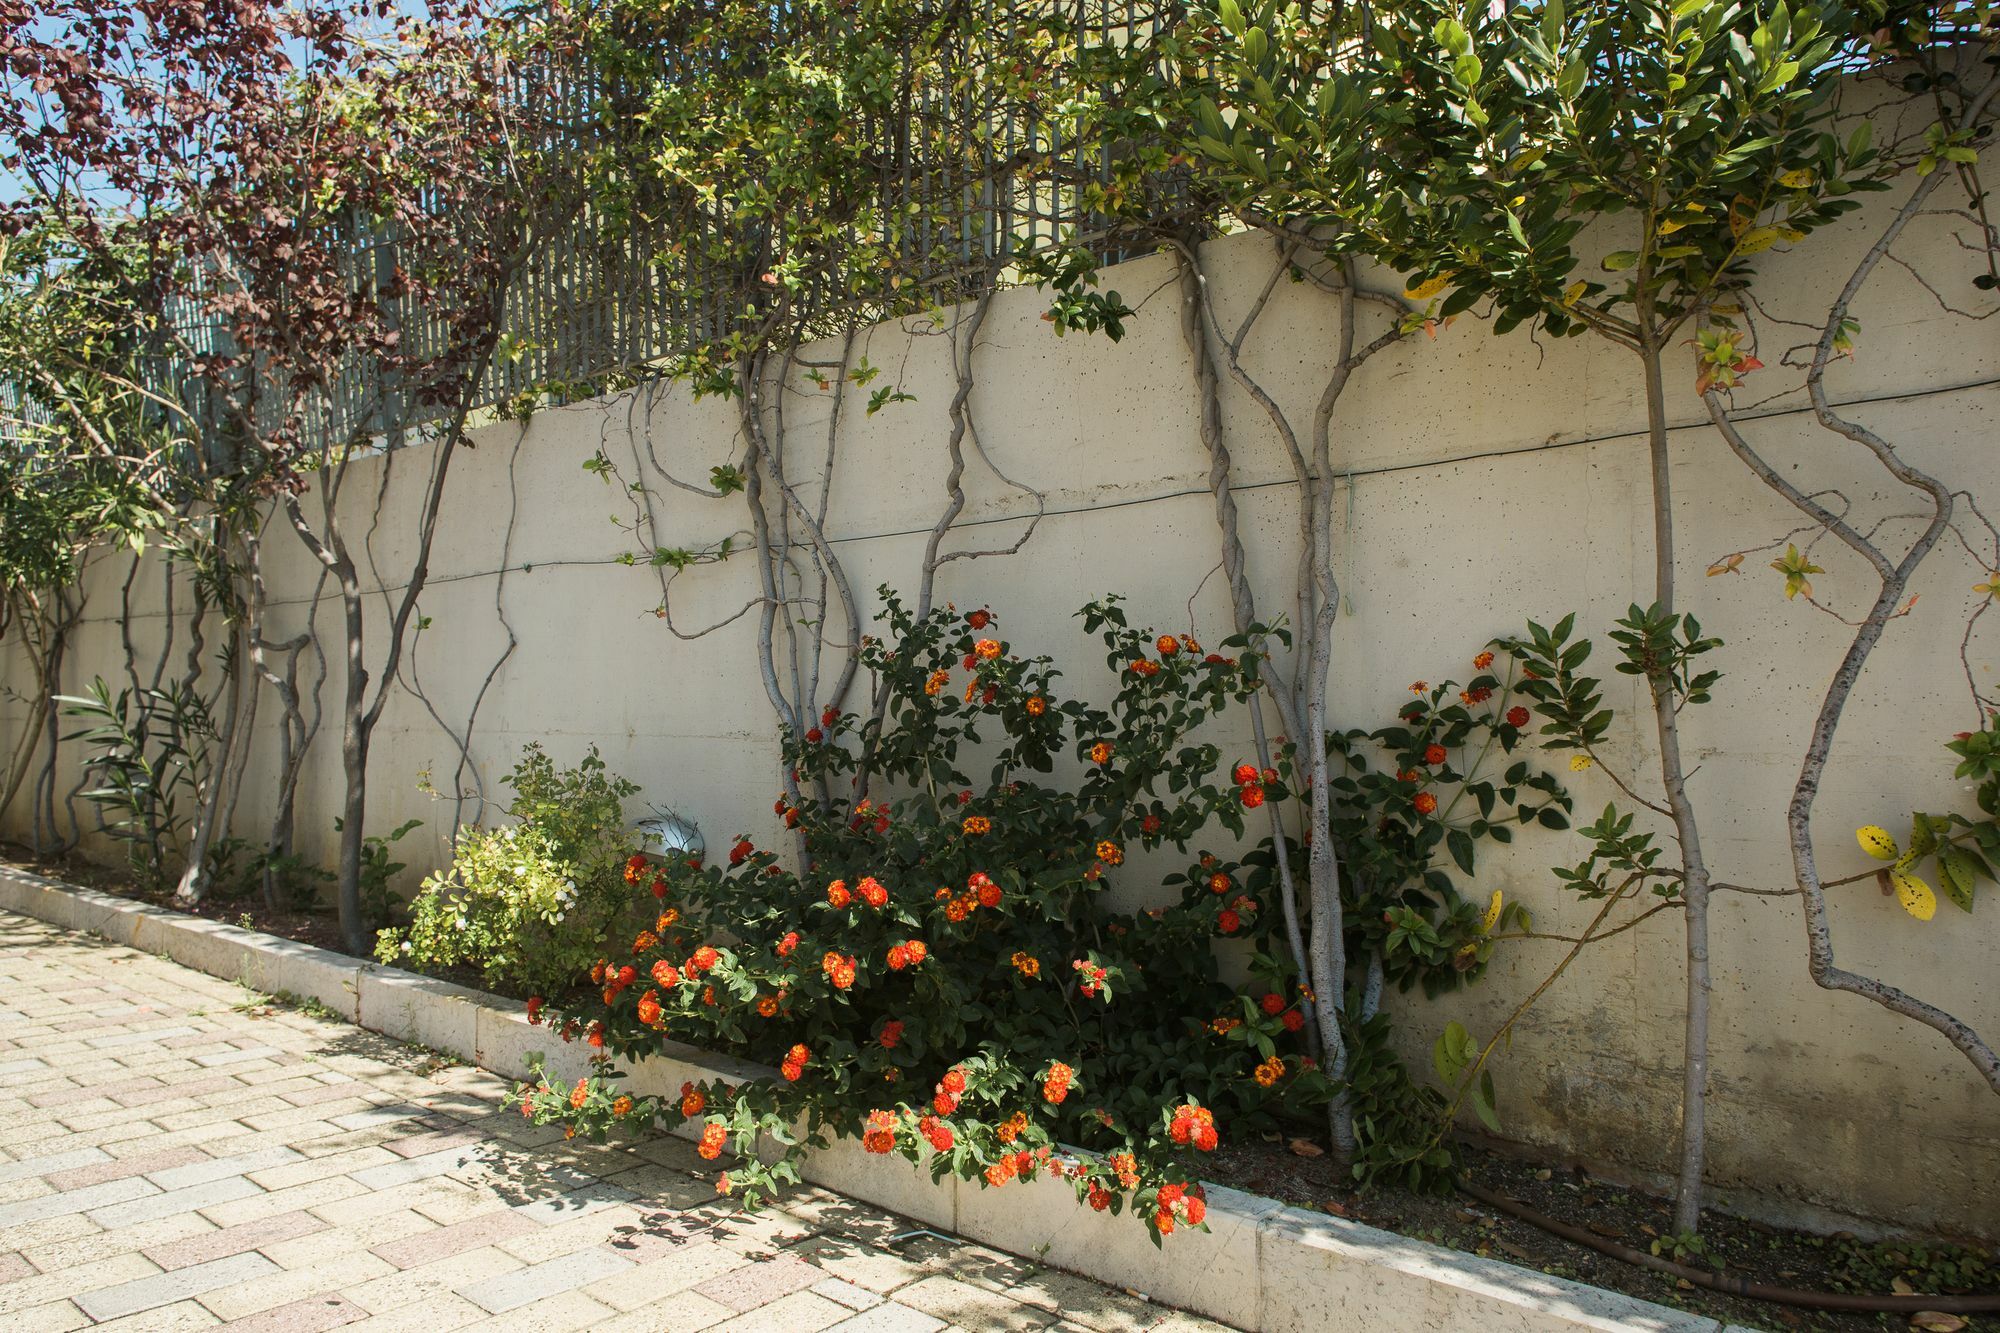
(1986, 1303)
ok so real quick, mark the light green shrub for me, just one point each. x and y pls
(529, 904)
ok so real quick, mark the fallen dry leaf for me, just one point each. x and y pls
(1936, 1321)
(1902, 1288)
(1307, 1148)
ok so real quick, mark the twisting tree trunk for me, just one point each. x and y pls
(1893, 574)
(1302, 704)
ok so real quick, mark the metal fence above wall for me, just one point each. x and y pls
(593, 300)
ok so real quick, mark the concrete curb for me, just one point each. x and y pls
(1260, 1265)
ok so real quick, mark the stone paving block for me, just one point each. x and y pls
(489, 1228)
(891, 1318)
(71, 1283)
(682, 1312)
(428, 1281)
(175, 1318)
(191, 1199)
(311, 1315)
(303, 1169)
(582, 1232)
(101, 1245)
(405, 1170)
(69, 1226)
(800, 1312)
(270, 1203)
(969, 1307)
(220, 1242)
(54, 1317)
(757, 1284)
(551, 1314)
(575, 1203)
(433, 1314)
(216, 1168)
(653, 1277)
(334, 1241)
(111, 1192)
(170, 1287)
(117, 1168)
(286, 1286)
(525, 1286)
(849, 1295)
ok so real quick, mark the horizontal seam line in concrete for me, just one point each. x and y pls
(1349, 475)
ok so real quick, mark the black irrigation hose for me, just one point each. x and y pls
(1735, 1286)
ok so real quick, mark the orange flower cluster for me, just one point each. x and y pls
(840, 968)
(936, 682)
(635, 869)
(713, 1136)
(693, 1103)
(1270, 1071)
(768, 1007)
(579, 1094)
(666, 973)
(1194, 1124)
(1026, 964)
(837, 894)
(795, 1063)
(986, 649)
(788, 944)
(1012, 1127)
(1100, 753)
(1425, 803)
(1144, 666)
(649, 1009)
(878, 1135)
(949, 1089)
(1483, 661)
(1250, 784)
(644, 940)
(1179, 1200)
(1056, 1084)
(1110, 853)
(910, 953)
(976, 825)
(701, 960)
(872, 892)
(938, 1132)
(1126, 1168)
(1037, 706)
(892, 1033)
(1090, 977)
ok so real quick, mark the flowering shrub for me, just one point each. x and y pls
(1412, 801)
(533, 903)
(946, 973)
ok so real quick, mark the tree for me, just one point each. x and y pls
(1667, 144)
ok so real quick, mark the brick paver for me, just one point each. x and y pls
(180, 1154)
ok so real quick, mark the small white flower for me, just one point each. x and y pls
(406, 946)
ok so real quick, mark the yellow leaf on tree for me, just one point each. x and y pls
(1424, 291)
(1917, 897)
(1875, 841)
(1796, 180)
(1492, 915)
(1573, 292)
(1757, 240)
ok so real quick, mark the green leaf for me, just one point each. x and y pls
(1958, 874)
(1619, 260)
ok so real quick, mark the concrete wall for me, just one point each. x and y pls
(1492, 480)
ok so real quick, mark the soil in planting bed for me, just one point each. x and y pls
(1774, 1256)
(1282, 1168)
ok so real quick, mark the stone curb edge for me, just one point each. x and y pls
(1261, 1265)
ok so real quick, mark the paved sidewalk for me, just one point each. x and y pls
(177, 1153)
